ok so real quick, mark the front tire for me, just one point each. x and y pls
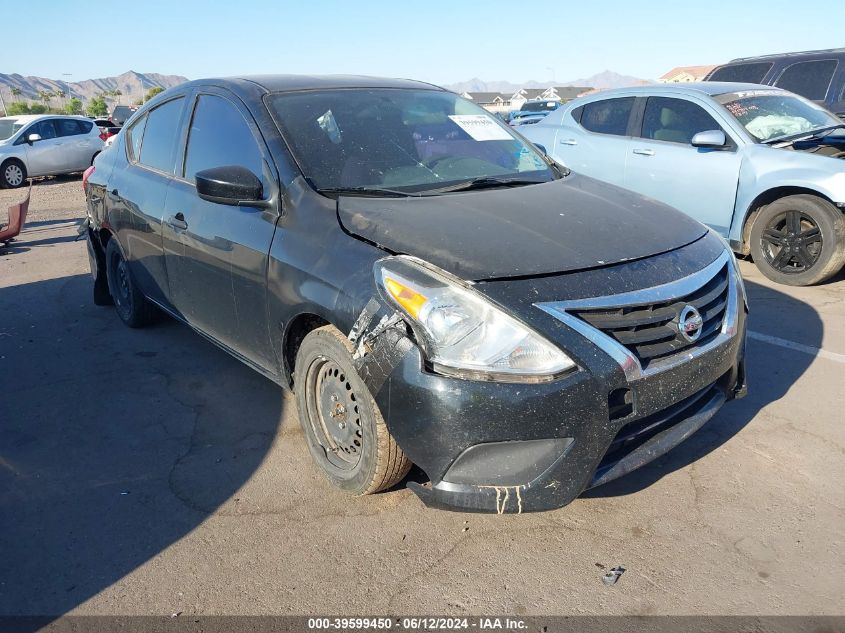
(131, 306)
(799, 240)
(344, 429)
(12, 174)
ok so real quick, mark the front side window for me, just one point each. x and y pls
(402, 139)
(134, 136)
(808, 79)
(609, 116)
(770, 115)
(220, 136)
(675, 120)
(160, 136)
(742, 73)
(47, 129)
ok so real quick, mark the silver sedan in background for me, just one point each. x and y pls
(45, 145)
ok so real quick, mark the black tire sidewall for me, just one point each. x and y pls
(831, 224)
(6, 184)
(323, 344)
(132, 315)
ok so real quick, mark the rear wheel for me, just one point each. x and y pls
(131, 306)
(799, 240)
(12, 174)
(344, 429)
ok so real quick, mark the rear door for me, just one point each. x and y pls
(216, 254)
(137, 192)
(593, 139)
(662, 164)
(76, 146)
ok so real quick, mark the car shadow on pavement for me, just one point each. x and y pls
(114, 443)
(768, 381)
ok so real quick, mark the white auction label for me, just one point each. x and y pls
(481, 127)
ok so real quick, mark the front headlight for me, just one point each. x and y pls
(461, 332)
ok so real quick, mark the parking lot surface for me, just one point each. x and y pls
(147, 472)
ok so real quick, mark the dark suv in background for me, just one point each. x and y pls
(817, 75)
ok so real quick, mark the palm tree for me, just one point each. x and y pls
(45, 96)
(117, 93)
(16, 92)
(61, 94)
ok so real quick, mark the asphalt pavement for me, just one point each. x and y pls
(147, 472)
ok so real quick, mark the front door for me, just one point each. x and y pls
(45, 156)
(662, 164)
(216, 255)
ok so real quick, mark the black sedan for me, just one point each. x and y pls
(433, 288)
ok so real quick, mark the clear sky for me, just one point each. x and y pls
(432, 40)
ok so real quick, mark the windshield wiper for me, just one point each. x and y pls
(486, 182)
(804, 135)
(371, 191)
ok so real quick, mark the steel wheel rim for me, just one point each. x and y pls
(120, 285)
(792, 242)
(14, 175)
(333, 414)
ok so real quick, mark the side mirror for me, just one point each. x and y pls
(32, 138)
(713, 139)
(542, 148)
(232, 184)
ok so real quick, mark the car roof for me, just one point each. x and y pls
(816, 53)
(28, 118)
(282, 83)
(709, 88)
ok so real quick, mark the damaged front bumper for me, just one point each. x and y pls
(510, 448)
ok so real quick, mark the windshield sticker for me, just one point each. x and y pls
(328, 124)
(481, 127)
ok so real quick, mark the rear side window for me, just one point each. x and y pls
(134, 136)
(808, 79)
(85, 126)
(68, 127)
(743, 73)
(220, 136)
(608, 117)
(160, 136)
(675, 120)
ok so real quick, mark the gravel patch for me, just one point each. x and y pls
(58, 198)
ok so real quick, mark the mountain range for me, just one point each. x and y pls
(132, 85)
(601, 81)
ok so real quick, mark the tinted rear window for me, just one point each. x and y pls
(608, 117)
(808, 79)
(160, 136)
(743, 73)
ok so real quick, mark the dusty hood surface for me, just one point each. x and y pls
(565, 225)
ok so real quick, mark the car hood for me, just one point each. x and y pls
(569, 224)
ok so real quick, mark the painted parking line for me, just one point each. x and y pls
(798, 347)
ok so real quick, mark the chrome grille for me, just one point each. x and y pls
(651, 331)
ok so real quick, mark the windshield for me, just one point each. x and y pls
(769, 115)
(8, 127)
(539, 106)
(399, 139)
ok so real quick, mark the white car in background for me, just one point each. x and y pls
(45, 145)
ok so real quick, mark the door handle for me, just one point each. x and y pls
(178, 221)
(568, 141)
(644, 152)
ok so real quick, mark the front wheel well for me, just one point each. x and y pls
(299, 327)
(767, 198)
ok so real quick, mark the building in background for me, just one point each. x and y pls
(686, 74)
